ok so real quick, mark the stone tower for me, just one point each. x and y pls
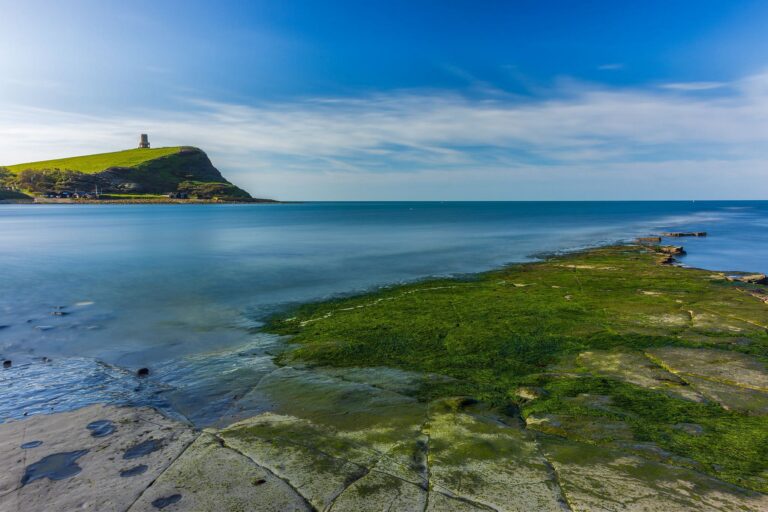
(144, 141)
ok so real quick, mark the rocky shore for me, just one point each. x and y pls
(602, 380)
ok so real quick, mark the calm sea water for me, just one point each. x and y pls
(102, 290)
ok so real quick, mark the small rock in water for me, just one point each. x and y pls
(54, 467)
(136, 470)
(161, 503)
(30, 444)
(142, 372)
(142, 449)
(4, 327)
(678, 234)
(7, 363)
(101, 428)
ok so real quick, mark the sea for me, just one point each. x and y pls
(89, 294)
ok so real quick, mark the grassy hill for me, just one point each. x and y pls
(182, 171)
(90, 164)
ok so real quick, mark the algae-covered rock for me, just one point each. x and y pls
(489, 463)
(595, 478)
(721, 366)
(301, 453)
(636, 368)
(381, 491)
(212, 478)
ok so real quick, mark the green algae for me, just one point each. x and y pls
(525, 325)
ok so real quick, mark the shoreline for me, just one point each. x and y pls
(345, 420)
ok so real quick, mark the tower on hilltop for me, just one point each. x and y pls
(144, 141)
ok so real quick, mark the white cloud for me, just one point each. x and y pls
(611, 67)
(580, 142)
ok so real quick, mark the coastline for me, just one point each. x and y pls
(355, 433)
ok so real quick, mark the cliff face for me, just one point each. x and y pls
(162, 175)
(186, 171)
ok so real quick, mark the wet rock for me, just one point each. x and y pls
(166, 501)
(4, 327)
(143, 448)
(749, 278)
(101, 428)
(7, 363)
(214, 478)
(57, 466)
(142, 372)
(136, 470)
(671, 249)
(98, 484)
(678, 234)
(648, 239)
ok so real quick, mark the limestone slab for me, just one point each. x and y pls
(98, 485)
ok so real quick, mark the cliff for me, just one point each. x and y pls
(185, 171)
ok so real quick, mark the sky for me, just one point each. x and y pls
(404, 100)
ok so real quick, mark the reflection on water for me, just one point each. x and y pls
(104, 290)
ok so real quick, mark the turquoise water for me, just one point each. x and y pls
(102, 290)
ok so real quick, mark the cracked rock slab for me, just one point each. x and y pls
(489, 463)
(98, 485)
(718, 365)
(635, 368)
(380, 491)
(291, 449)
(736, 381)
(212, 478)
(594, 478)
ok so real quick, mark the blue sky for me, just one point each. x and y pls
(404, 100)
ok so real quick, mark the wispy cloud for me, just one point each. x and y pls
(611, 67)
(583, 141)
(694, 86)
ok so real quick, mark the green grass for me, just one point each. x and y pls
(525, 325)
(96, 163)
